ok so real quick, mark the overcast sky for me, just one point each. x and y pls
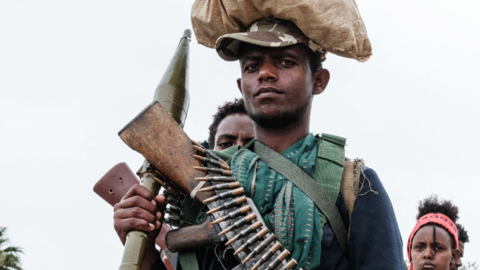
(73, 73)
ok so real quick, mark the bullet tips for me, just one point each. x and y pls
(213, 170)
(248, 258)
(256, 266)
(291, 264)
(196, 143)
(217, 221)
(239, 250)
(211, 199)
(199, 157)
(199, 149)
(231, 241)
(216, 209)
(224, 232)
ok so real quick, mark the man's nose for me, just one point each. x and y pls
(459, 262)
(267, 72)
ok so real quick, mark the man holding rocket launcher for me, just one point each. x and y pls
(281, 72)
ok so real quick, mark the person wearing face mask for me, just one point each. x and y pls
(231, 126)
(433, 243)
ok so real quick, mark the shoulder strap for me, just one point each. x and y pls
(307, 185)
(188, 259)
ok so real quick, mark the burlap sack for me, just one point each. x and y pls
(336, 25)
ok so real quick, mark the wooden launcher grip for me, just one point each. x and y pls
(164, 144)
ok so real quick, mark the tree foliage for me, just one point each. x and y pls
(9, 255)
(470, 266)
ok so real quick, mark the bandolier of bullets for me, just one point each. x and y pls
(239, 218)
(173, 200)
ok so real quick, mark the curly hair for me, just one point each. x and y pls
(433, 205)
(462, 234)
(237, 106)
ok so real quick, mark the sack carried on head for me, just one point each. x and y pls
(331, 25)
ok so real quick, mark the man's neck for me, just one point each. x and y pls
(280, 139)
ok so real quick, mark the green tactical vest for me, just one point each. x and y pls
(329, 168)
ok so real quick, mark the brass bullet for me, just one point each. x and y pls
(235, 213)
(245, 232)
(202, 150)
(173, 209)
(199, 149)
(221, 186)
(213, 170)
(196, 143)
(228, 204)
(217, 178)
(252, 240)
(226, 194)
(260, 247)
(169, 217)
(160, 181)
(275, 262)
(173, 201)
(173, 220)
(166, 186)
(267, 255)
(290, 264)
(238, 223)
(212, 162)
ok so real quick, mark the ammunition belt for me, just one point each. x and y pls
(239, 219)
(235, 217)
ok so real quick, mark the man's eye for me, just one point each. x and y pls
(286, 63)
(225, 144)
(251, 67)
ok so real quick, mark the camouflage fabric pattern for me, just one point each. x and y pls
(267, 32)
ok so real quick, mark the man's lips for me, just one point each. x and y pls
(267, 91)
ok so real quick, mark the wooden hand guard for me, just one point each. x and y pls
(156, 135)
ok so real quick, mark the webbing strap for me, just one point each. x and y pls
(188, 259)
(307, 185)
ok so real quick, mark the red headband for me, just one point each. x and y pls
(439, 219)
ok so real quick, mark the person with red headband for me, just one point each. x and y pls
(433, 243)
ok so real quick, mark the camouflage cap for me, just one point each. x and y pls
(267, 32)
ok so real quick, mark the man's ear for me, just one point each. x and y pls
(239, 85)
(320, 81)
(455, 256)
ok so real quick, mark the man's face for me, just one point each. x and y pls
(277, 83)
(235, 129)
(461, 247)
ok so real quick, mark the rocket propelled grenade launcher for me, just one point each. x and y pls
(184, 168)
(172, 94)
